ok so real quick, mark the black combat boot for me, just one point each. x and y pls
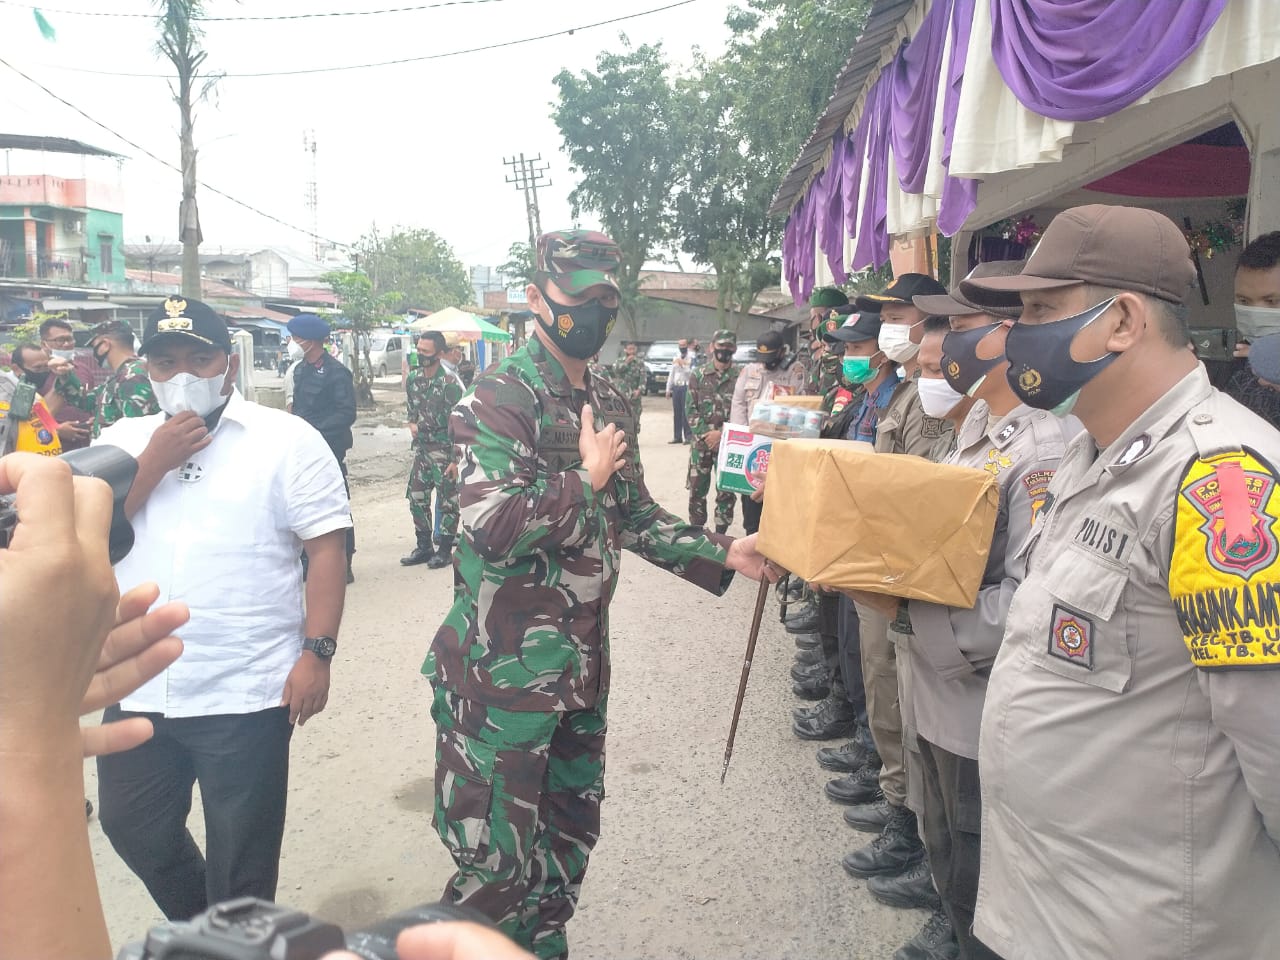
(849, 757)
(444, 555)
(814, 671)
(805, 619)
(897, 848)
(935, 941)
(831, 719)
(421, 553)
(861, 786)
(817, 687)
(907, 890)
(808, 656)
(869, 817)
(808, 641)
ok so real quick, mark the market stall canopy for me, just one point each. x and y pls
(939, 96)
(466, 325)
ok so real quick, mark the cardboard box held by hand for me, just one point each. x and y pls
(844, 518)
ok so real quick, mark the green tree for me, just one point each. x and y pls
(364, 311)
(518, 270)
(750, 111)
(417, 264)
(622, 133)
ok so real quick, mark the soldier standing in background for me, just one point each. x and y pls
(707, 406)
(128, 393)
(520, 666)
(432, 391)
(629, 376)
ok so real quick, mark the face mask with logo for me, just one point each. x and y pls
(961, 365)
(295, 350)
(1255, 322)
(858, 370)
(937, 397)
(724, 356)
(578, 331)
(895, 342)
(186, 391)
(1042, 372)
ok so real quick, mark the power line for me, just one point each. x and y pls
(143, 150)
(569, 31)
(282, 16)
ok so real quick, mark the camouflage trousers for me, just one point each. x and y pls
(517, 802)
(702, 464)
(428, 474)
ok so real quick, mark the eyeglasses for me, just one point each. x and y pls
(66, 340)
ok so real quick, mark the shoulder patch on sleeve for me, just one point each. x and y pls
(1224, 575)
(1037, 484)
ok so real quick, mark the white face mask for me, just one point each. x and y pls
(895, 341)
(63, 354)
(295, 351)
(937, 397)
(186, 391)
(1255, 322)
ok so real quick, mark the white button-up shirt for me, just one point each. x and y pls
(223, 533)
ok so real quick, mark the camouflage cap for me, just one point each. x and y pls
(724, 336)
(577, 260)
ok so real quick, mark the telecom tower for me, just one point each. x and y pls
(311, 197)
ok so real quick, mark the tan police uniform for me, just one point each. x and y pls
(1130, 747)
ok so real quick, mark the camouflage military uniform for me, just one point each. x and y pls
(431, 397)
(127, 394)
(521, 663)
(707, 406)
(629, 376)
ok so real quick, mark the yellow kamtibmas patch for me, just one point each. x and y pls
(1224, 577)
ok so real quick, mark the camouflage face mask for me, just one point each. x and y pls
(579, 331)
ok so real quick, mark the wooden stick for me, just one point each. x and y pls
(746, 672)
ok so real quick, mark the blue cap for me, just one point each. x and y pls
(1264, 358)
(307, 326)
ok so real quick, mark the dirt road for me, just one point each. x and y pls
(685, 868)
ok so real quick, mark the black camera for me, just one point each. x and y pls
(107, 463)
(251, 929)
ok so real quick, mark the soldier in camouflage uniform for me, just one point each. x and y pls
(822, 302)
(520, 665)
(825, 380)
(707, 407)
(433, 391)
(128, 393)
(629, 376)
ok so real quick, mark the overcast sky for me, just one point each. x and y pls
(416, 145)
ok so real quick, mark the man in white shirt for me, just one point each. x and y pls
(677, 390)
(227, 495)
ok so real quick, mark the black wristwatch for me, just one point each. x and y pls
(323, 647)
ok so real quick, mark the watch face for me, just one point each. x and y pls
(326, 646)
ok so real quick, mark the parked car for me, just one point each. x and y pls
(657, 365)
(386, 352)
(746, 353)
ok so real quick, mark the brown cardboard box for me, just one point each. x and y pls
(842, 517)
(809, 401)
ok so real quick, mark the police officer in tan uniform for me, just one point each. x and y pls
(951, 649)
(1130, 745)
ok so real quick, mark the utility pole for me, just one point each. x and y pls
(527, 177)
(311, 196)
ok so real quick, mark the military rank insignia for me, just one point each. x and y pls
(1223, 577)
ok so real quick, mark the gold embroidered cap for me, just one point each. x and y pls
(179, 317)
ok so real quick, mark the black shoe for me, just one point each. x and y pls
(848, 757)
(897, 848)
(812, 690)
(816, 671)
(910, 890)
(831, 720)
(670, 442)
(806, 621)
(861, 786)
(808, 656)
(935, 941)
(808, 641)
(443, 557)
(351, 577)
(722, 528)
(869, 817)
(423, 552)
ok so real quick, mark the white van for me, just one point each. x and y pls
(386, 352)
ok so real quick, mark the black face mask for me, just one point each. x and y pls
(35, 379)
(961, 365)
(724, 356)
(103, 358)
(580, 331)
(772, 362)
(426, 361)
(1041, 370)
(684, 351)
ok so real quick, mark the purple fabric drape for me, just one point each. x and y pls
(831, 209)
(1086, 59)
(914, 77)
(959, 194)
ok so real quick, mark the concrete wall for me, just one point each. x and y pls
(103, 229)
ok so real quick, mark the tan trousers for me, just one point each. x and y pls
(880, 676)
